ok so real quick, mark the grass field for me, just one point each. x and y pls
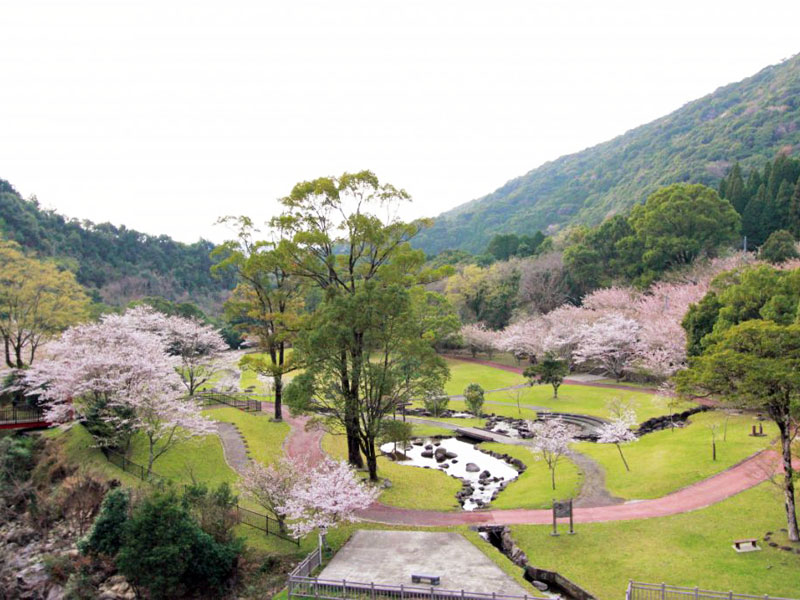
(582, 399)
(692, 549)
(463, 373)
(533, 488)
(412, 487)
(667, 460)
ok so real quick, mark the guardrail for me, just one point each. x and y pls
(661, 591)
(12, 416)
(302, 585)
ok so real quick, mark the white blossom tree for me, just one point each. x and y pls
(551, 440)
(610, 342)
(479, 339)
(272, 486)
(331, 494)
(618, 432)
(198, 346)
(123, 380)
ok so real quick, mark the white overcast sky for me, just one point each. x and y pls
(164, 115)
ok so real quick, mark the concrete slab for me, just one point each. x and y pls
(390, 557)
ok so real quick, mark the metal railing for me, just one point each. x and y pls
(661, 591)
(11, 415)
(241, 401)
(251, 518)
(302, 585)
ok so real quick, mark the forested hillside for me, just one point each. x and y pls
(115, 263)
(748, 122)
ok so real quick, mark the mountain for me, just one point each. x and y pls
(116, 264)
(750, 122)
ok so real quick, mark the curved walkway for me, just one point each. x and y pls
(304, 442)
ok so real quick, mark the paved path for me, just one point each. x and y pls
(233, 447)
(302, 442)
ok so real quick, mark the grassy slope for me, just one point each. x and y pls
(533, 489)
(692, 549)
(408, 483)
(668, 460)
(463, 373)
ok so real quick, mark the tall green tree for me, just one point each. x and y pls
(267, 302)
(343, 234)
(550, 370)
(393, 356)
(37, 301)
(680, 222)
(756, 365)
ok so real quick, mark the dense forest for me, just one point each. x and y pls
(116, 264)
(751, 121)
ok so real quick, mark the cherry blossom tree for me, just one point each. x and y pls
(124, 380)
(331, 494)
(551, 440)
(479, 339)
(272, 486)
(524, 338)
(610, 342)
(197, 345)
(618, 432)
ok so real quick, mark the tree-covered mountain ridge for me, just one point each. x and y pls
(116, 264)
(749, 122)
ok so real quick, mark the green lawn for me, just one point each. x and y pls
(249, 378)
(199, 459)
(489, 378)
(533, 488)
(263, 436)
(412, 487)
(667, 460)
(488, 408)
(692, 549)
(587, 400)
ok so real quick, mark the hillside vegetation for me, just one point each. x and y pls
(118, 264)
(748, 122)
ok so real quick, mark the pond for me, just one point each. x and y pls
(483, 475)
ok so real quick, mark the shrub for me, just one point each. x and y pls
(436, 405)
(165, 552)
(473, 396)
(105, 536)
(214, 510)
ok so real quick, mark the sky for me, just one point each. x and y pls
(165, 115)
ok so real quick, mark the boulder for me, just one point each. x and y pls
(440, 454)
(427, 454)
(472, 468)
(450, 454)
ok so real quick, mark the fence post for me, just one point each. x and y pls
(372, 590)
(663, 591)
(401, 591)
(696, 593)
(316, 587)
(344, 588)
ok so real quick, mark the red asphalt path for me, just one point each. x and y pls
(305, 443)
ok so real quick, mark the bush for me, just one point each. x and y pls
(167, 553)
(214, 510)
(105, 536)
(779, 247)
(473, 396)
(436, 405)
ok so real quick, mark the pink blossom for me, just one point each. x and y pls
(330, 494)
(610, 343)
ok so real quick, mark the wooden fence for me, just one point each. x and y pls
(302, 585)
(662, 591)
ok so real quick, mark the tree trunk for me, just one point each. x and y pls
(372, 460)
(788, 480)
(553, 477)
(8, 353)
(555, 390)
(625, 462)
(277, 381)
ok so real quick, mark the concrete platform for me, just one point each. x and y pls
(390, 557)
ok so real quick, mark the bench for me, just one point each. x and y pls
(418, 577)
(746, 545)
